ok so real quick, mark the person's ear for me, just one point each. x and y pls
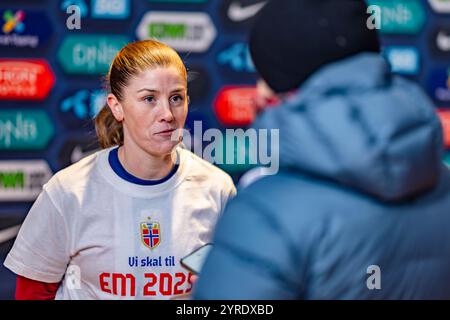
(115, 106)
(265, 96)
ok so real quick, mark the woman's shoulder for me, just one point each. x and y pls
(75, 174)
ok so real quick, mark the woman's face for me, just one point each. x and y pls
(154, 105)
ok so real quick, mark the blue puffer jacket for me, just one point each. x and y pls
(361, 206)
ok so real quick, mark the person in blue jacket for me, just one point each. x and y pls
(360, 208)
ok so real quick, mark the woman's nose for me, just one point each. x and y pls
(166, 112)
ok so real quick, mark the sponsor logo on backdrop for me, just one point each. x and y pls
(443, 41)
(110, 9)
(22, 129)
(444, 116)
(239, 14)
(75, 149)
(440, 41)
(238, 11)
(403, 59)
(89, 54)
(100, 9)
(440, 6)
(400, 16)
(13, 22)
(84, 104)
(439, 84)
(24, 28)
(78, 108)
(25, 79)
(184, 31)
(235, 105)
(22, 180)
(237, 58)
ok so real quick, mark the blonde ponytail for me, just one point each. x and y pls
(109, 130)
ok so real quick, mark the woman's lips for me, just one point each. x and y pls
(165, 133)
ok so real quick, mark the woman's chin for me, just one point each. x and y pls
(163, 148)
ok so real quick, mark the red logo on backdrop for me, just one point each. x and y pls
(235, 105)
(25, 79)
(444, 115)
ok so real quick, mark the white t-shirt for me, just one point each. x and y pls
(112, 239)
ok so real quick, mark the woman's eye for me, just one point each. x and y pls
(149, 99)
(177, 99)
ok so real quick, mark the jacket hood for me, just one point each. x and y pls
(355, 123)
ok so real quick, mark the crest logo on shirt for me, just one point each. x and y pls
(150, 234)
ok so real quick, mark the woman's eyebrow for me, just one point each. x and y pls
(181, 89)
(146, 89)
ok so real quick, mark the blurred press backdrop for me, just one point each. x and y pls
(51, 77)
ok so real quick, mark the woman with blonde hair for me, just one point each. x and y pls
(115, 224)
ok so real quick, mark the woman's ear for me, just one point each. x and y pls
(115, 106)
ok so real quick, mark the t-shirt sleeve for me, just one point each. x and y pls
(41, 249)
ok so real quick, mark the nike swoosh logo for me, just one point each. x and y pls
(9, 233)
(237, 12)
(443, 41)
